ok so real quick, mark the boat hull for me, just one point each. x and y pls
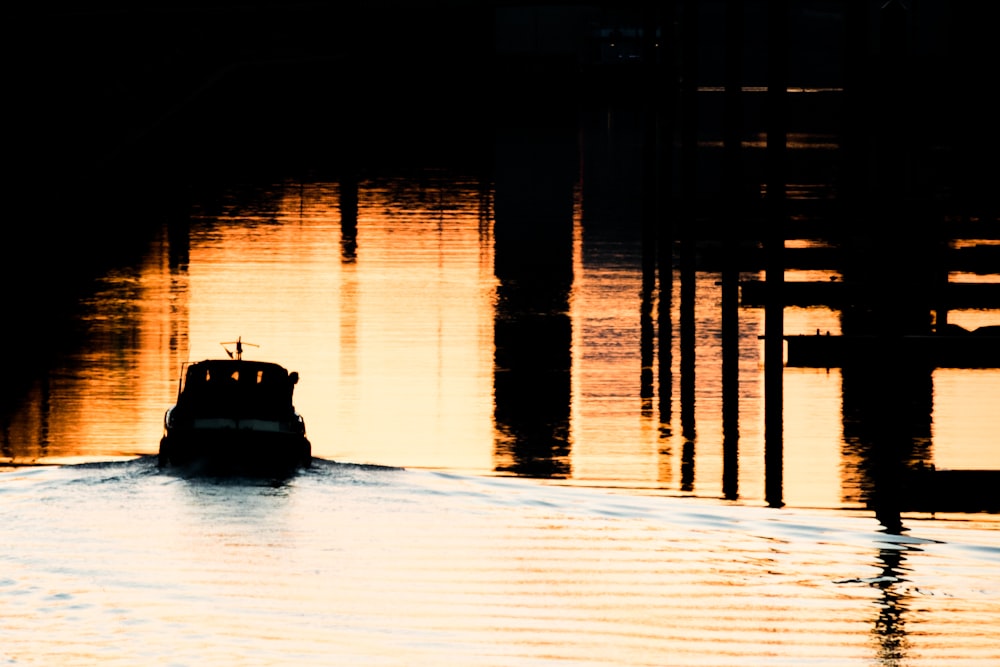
(237, 451)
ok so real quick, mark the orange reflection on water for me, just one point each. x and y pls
(107, 400)
(966, 422)
(813, 433)
(613, 439)
(394, 339)
(394, 347)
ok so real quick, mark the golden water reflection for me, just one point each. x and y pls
(389, 318)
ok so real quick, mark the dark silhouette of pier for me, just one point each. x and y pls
(846, 123)
(866, 125)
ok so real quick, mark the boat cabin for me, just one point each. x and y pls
(237, 388)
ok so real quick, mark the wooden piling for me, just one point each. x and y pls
(774, 248)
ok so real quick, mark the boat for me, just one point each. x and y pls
(235, 414)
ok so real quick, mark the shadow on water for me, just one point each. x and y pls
(532, 329)
(233, 474)
(237, 473)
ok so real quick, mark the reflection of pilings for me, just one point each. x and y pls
(971, 98)
(774, 248)
(773, 375)
(730, 379)
(732, 117)
(533, 232)
(665, 227)
(348, 216)
(649, 151)
(689, 188)
(887, 399)
(689, 111)
(880, 307)
(45, 415)
(855, 137)
(646, 349)
(178, 259)
(887, 409)
(732, 170)
(687, 466)
(689, 183)
(688, 343)
(688, 346)
(894, 278)
(649, 206)
(665, 342)
(179, 240)
(890, 627)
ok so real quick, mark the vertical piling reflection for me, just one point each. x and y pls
(179, 241)
(887, 408)
(533, 232)
(887, 390)
(776, 159)
(665, 340)
(647, 341)
(649, 250)
(688, 178)
(665, 230)
(650, 204)
(688, 346)
(887, 387)
(733, 180)
(730, 373)
(890, 626)
(348, 216)
(178, 260)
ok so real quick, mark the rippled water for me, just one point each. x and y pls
(425, 533)
(123, 564)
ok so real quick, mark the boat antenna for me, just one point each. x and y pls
(238, 353)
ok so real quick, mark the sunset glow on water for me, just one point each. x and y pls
(403, 544)
(394, 344)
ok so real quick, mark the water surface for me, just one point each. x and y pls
(443, 520)
(122, 564)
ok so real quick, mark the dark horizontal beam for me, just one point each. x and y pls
(841, 294)
(969, 350)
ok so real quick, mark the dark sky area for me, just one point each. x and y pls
(178, 90)
(103, 77)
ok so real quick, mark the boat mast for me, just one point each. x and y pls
(238, 354)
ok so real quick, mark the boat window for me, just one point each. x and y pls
(260, 376)
(235, 376)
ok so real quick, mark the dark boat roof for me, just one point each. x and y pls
(216, 372)
(231, 365)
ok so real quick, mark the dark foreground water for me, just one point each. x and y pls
(447, 519)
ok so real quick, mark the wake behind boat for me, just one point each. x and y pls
(235, 414)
